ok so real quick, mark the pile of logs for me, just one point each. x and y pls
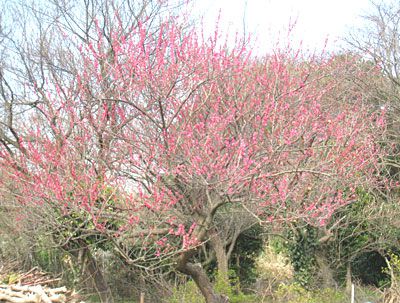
(33, 286)
(32, 294)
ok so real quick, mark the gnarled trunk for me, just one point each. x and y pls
(199, 276)
(196, 272)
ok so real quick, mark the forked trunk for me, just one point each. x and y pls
(199, 276)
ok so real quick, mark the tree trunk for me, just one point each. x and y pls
(196, 272)
(199, 276)
(100, 283)
(221, 256)
(325, 272)
(348, 277)
(89, 267)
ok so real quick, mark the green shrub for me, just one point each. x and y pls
(301, 250)
(232, 288)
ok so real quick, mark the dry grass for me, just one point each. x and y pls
(273, 269)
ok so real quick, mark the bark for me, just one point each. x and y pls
(202, 281)
(90, 268)
(98, 279)
(196, 272)
(221, 256)
(348, 278)
(325, 272)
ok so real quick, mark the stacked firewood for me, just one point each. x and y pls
(33, 286)
(32, 294)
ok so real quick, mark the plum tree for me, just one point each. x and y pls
(157, 132)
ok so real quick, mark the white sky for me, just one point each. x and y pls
(316, 19)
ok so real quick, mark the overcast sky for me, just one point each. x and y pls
(316, 20)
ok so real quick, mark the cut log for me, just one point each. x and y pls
(42, 294)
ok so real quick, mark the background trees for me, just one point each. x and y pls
(378, 42)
